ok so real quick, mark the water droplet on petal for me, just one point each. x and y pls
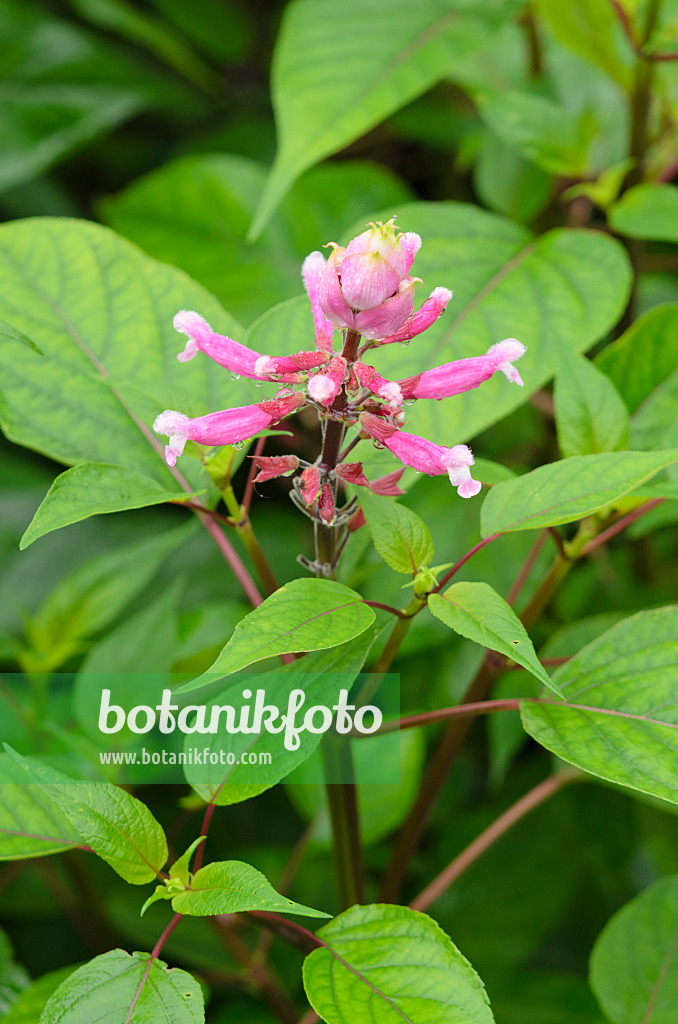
(239, 445)
(235, 376)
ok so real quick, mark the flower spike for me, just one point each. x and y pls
(420, 321)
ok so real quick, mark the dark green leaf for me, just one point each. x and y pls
(231, 887)
(31, 825)
(563, 492)
(402, 539)
(590, 414)
(303, 615)
(381, 964)
(647, 211)
(634, 964)
(105, 989)
(476, 611)
(621, 718)
(91, 489)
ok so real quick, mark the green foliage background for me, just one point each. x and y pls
(162, 155)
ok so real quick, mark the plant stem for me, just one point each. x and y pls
(342, 800)
(157, 949)
(435, 889)
(481, 707)
(271, 990)
(243, 527)
(463, 560)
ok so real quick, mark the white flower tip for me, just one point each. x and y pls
(441, 296)
(460, 455)
(170, 422)
(190, 323)
(469, 488)
(321, 388)
(264, 366)
(411, 242)
(190, 350)
(312, 265)
(506, 352)
(171, 455)
(392, 394)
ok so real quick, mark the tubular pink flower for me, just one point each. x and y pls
(311, 273)
(378, 385)
(226, 427)
(420, 321)
(390, 315)
(324, 387)
(236, 357)
(425, 456)
(465, 374)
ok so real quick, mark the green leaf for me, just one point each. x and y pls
(30, 1004)
(381, 964)
(93, 595)
(402, 539)
(321, 675)
(7, 331)
(13, 978)
(507, 182)
(634, 964)
(231, 887)
(104, 990)
(565, 491)
(590, 413)
(593, 31)
(647, 211)
(476, 611)
(102, 313)
(323, 104)
(541, 130)
(563, 290)
(643, 365)
(31, 825)
(621, 718)
(119, 828)
(194, 212)
(91, 489)
(180, 867)
(303, 615)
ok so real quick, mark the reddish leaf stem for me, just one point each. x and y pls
(154, 956)
(463, 560)
(620, 525)
(435, 889)
(528, 566)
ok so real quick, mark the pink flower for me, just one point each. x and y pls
(324, 387)
(311, 272)
(465, 374)
(271, 466)
(420, 321)
(365, 286)
(425, 456)
(226, 427)
(352, 473)
(388, 485)
(236, 357)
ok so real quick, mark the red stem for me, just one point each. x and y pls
(154, 956)
(463, 560)
(527, 568)
(620, 525)
(206, 822)
(386, 608)
(492, 833)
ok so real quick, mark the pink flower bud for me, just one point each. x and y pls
(271, 466)
(390, 315)
(226, 427)
(411, 244)
(309, 484)
(420, 321)
(425, 456)
(324, 387)
(357, 521)
(378, 385)
(465, 374)
(311, 273)
(326, 504)
(278, 366)
(367, 279)
(388, 485)
(332, 302)
(352, 473)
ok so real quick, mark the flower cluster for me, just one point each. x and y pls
(366, 291)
